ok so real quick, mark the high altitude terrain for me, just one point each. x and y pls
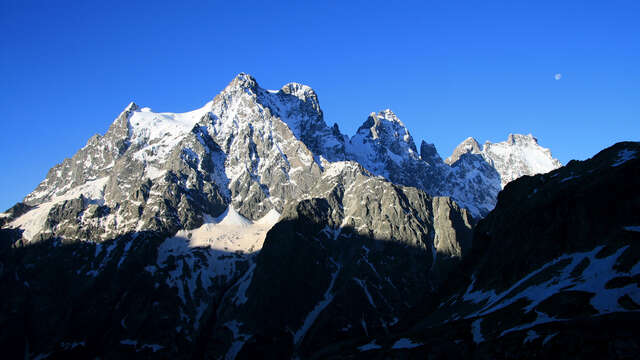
(250, 226)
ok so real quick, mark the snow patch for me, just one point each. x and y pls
(243, 285)
(531, 335)
(623, 156)
(547, 338)
(32, 222)
(405, 343)
(239, 339)
(592, 279)
(315, 312)
(363, 285)
(370, 346)
(476, 330)
(156, 134)
(232, 232)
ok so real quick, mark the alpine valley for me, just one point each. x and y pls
(249, 228)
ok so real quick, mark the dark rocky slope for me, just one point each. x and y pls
(553, 272)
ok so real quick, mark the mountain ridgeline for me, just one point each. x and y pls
(250, 228)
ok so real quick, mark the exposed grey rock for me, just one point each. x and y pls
(468, 146)
(429, 154)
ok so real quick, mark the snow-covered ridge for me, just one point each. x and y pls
(157, 133)
(261, 148)
(517, 156)
(33, 221)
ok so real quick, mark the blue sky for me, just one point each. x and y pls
(448, 69)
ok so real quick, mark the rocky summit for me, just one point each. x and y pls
(251, 228)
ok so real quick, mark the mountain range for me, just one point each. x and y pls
(250, 228)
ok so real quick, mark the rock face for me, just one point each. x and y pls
(385, 147)
(357, 253)
(250, 227)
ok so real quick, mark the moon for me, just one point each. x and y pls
(557, 76)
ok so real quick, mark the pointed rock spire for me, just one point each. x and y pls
(429, 154)
(243, 81)
(469, 145)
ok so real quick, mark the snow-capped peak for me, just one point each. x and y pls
(519, 155)
(387, 128)
(131, 107)
(243, 81)
(301, 91)
(387, 114)
(521, 139)
(468, 146)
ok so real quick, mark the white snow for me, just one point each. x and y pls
(593, 280)
(476, 330)
(623, 156)
(315, 312)
(239, 339)
(232, 232)
(363, 285)
(370, 346)
(405, 343)
(194, 269)
(41, 356)
(633, 228)
(71, 345)
(547, 338)
(519, 155)
(33, 221)
(158, 133)
(127, 246)
(153, 172)
(243, 285)
(531, 335)
(134, 343)
(541, 318)
(569, 178)
(153, 347)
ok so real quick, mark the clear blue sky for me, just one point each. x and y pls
(449, 69)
